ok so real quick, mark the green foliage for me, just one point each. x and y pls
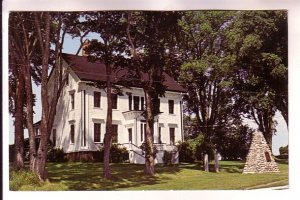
(56, 155)
(191, 149)
(284, 150)
(117, 154)
(168, 157)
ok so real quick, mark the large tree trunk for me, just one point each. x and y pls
(29, 106)
(40, 164)
(19, 131)
(108, 134)
(149, 150)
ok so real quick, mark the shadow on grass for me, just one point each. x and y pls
(88, 176)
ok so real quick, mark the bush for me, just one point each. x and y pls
(117, 154)
(56, 155)
(168, 158)
(191, 150)
(17, 179)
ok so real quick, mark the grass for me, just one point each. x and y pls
(88, 176)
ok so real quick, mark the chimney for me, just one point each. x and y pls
(86, 43)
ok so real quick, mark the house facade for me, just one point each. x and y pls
(79, 124)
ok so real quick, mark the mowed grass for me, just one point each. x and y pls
(88, 176)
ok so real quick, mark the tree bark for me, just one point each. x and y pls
(40, 164)
(206, 168)
(29, 106)
(216, 161)
(108, 134)
(149, 150)
(19, 130)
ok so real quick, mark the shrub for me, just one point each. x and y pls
(117, 154)
(56, 155)
(191, 150)
(168, 158)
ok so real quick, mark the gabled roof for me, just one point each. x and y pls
(89, 71)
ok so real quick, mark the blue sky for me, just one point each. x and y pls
(71, 46)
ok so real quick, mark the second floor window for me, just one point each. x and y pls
(72, 101)
(171, 106)
(97, 99)
(114, 98)
(136, 102)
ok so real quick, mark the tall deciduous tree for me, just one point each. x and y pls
(22, 40)
(207, 70)
(109, 49)
(151, 37)
(259, 39)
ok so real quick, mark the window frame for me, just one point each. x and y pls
(97, 134)
(97, 102)
(72, 100)
(172, 135)
(171, 104)
(114, 138)
(72, 133)
(114, 99)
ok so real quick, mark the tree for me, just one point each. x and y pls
(259, 40)
(207, 71)
(22, 44)
(110, 50)
(151, 43)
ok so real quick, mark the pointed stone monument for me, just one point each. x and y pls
(259, 158)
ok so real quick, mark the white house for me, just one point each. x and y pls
(79, 124)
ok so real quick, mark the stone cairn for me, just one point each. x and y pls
(259, 158)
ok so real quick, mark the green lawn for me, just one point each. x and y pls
(88, 176)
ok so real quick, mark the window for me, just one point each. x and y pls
(130, 135)
(54, 137)
(72, 101)
(159, 135)
(114, 133)
(37, 131)
(172, 136)
(156, 104)
(142, 103)
(130, 101)
(171, 106)
(136, 102)
(143, 131)
(114, 98)
(97, 132)
(97, 99)
(72, 133)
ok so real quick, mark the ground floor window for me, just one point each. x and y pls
(97, 132)
(54, 137)
(143, 131)
(130, 135)
(159, 135)
(172, 136)
(114, 133)
(72, 133)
